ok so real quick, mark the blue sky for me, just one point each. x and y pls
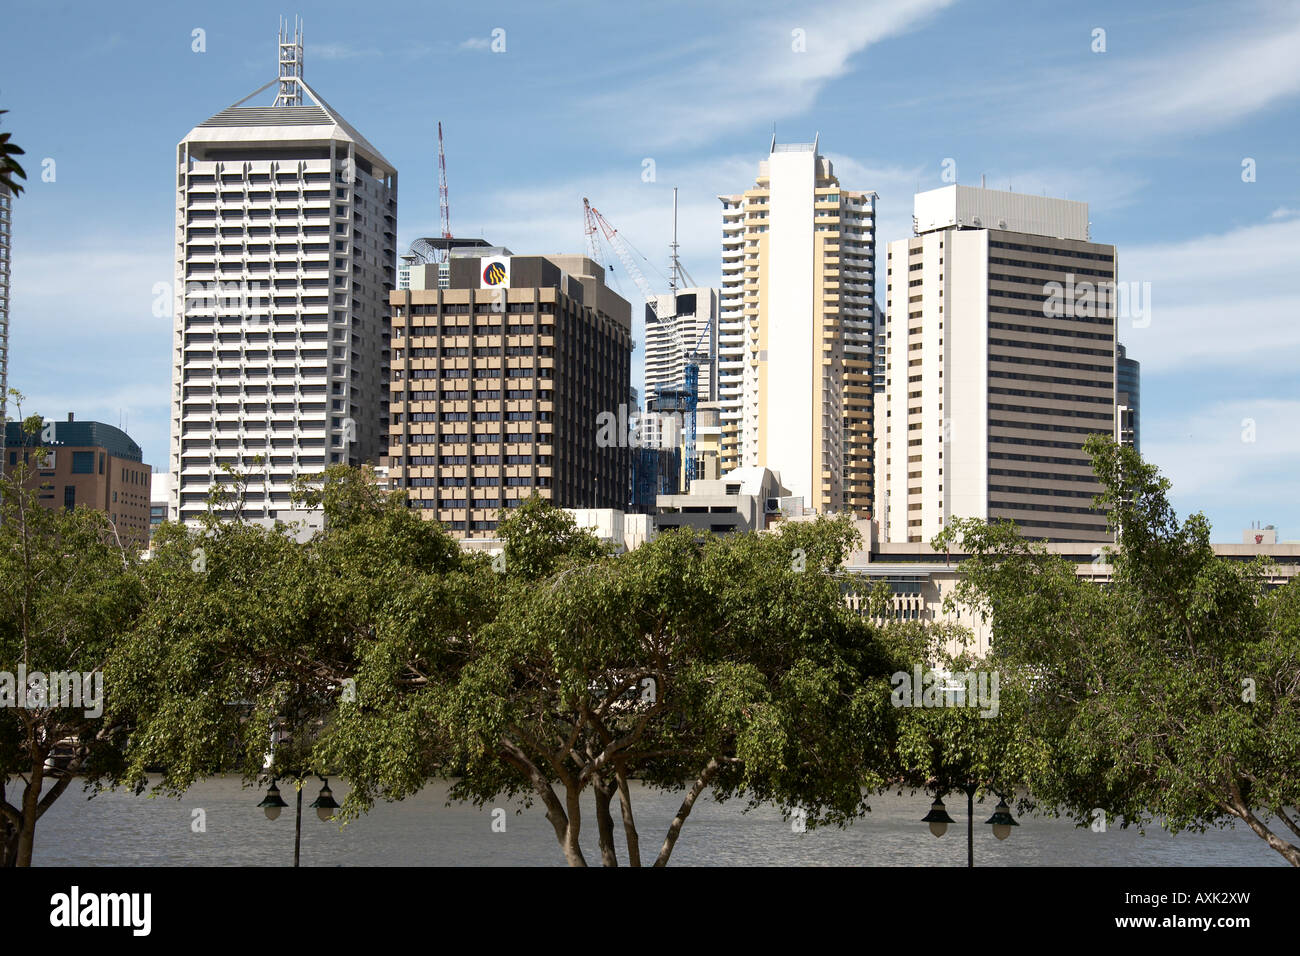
(1152, 133)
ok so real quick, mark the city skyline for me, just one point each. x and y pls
(1155, 134)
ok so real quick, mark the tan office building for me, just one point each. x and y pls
(500, 384)
(795, 343)
(87, 463)
(1000, 361)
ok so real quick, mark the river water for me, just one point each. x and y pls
(116, 829)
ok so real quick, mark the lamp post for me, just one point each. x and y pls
(324, 805)
(1001, 821)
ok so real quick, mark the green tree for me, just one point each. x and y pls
(10, 171)
(69, 593)
(970, 737)
(1174, 690)
(728, 664)
(539, 538)
(251, 637)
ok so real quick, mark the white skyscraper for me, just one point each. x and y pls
(795, 346)
(286, 222)
(990, 388)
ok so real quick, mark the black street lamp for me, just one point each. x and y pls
(272, 803)
(324, 805)
(1001, 821)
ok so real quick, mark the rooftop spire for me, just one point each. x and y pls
(290, 64)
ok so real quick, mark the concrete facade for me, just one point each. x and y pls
(286, 221)
(688, 317)
(90, 464)
(499, 382)
(993, 380)
(742, 500)
(797, 314)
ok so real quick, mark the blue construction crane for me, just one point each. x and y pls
(692, 388)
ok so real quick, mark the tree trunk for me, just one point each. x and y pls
(675, 829)
(30, 813)
(8, 844)
(1289, 852)
(629, 824)
(605, 821)
(572, 850)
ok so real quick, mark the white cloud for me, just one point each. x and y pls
(476, 43)
(84, 338)
(1282, 212)
(96, 282)
(756, 72)
(1235, 460)
(337, 51)
(1226, 78)
(1218, 300)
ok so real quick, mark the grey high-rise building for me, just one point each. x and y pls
(1128, 398)
(6, 225)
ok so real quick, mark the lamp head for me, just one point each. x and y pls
(325, 804)
(937, 818)
(1002, 821)
(272, 803)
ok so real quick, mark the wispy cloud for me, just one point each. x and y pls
(339, 51)
(1226, 300)
(1235, 459)
(1223, 79)
(764, 68)
(476, 43)
(118, 365)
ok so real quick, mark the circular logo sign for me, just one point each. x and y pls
(494, 273)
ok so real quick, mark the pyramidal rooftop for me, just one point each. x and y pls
(308, 122)
(288, 119)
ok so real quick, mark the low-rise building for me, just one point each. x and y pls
(746, 499)
(86, 463)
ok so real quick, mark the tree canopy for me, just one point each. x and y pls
(1173, 691)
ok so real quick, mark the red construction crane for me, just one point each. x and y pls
(443, 206)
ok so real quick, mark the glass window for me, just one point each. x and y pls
(83, 462)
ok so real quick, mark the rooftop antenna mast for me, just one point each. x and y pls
(444, 207)
(290, 64)
(675, 271)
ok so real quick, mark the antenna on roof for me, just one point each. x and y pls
(674, 261)
(290, 50)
